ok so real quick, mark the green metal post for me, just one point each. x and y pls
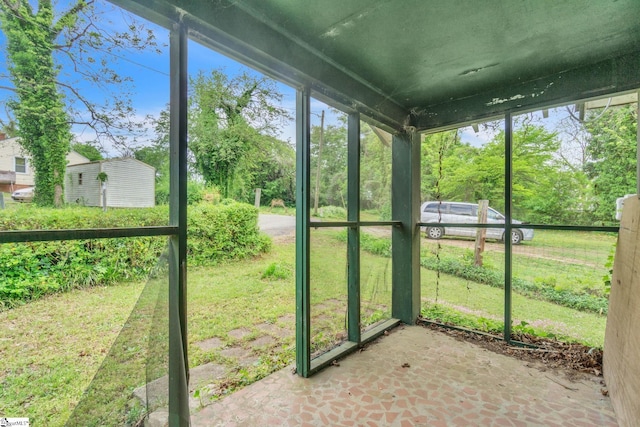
(508, 161)
(405, 239)
(178, 360)
(353, 238)
(303, 182)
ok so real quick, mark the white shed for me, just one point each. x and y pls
(130, 183)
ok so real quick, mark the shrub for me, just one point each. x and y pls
(332, 212)
(277, 271)
(225, 231)
(196, 193)
(30, 270)
(582, 301)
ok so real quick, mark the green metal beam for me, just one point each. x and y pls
(20, 236)
(178, 344)
(352, 224)
(508, 154)
(604, 228)
(303, 184)
(612, 75)
(405, 239)
(353, 237)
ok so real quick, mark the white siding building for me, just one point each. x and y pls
(15, 166)
(130, 183)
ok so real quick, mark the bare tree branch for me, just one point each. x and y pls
(97, 117)
(72, 40)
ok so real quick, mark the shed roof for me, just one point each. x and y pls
(114, 160)
(424, 63)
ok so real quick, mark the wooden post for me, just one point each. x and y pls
(481, 233)
(256, 202)
(104, 196)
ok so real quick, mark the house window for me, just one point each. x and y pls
(80, 179)
(21, 165)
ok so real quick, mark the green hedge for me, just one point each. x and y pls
(30, 270)
(581, 301)
(460, 268)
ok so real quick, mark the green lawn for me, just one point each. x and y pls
(51, 348)
(561, 259)
(484, 302)
(9, 203)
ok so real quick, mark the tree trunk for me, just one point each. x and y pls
(57, 196)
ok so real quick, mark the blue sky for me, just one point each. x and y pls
(150, 72)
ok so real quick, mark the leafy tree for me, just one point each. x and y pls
(9, 127)
(375, 171)
(227, 117)
(612, 149)
(44, 126)
(544, 189)
(436, 149)
(332, 163)
(88, 150)
(157, 154)
(269, 164)
(46, 102)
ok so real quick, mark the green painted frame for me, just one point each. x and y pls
(608, 76)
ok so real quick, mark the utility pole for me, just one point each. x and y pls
(315, 198)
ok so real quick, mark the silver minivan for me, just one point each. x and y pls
(459, 212)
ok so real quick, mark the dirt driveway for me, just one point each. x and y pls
(283, 227)
(525, 249)
(277, 225)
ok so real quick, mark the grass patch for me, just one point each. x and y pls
(444, 314)
(577, 300)
(586, 245)
(575, 266)
(482, 302)
(278, 271)
(470, 295)
(51, 349)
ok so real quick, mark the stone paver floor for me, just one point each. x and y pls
(416, 377)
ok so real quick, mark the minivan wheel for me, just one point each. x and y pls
(516, 237)
(435, 232)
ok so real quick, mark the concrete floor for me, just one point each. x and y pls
(417, 377)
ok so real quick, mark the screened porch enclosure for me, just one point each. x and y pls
(408, 68)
